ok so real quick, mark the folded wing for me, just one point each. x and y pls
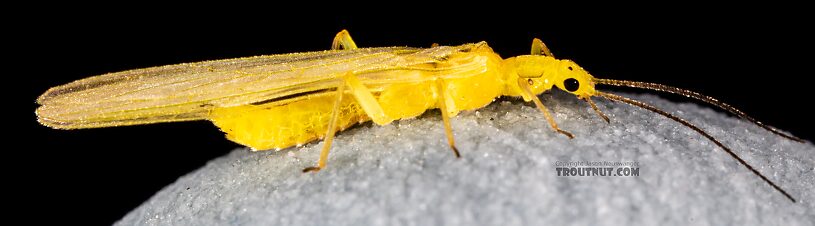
(189, 91)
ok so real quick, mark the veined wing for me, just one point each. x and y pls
(184, 92)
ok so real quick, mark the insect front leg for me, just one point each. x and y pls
(529, 95)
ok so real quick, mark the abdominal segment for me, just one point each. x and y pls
(279, 125)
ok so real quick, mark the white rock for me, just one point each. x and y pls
(404, 174)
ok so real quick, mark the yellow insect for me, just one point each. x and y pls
(278, 101)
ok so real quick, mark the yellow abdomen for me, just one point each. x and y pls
(276, 126)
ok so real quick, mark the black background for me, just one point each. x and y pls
(756, 58)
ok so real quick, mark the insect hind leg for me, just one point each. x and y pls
(329, 136)
(343, 41)
(364, 98)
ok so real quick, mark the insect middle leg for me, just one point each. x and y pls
(448, 129)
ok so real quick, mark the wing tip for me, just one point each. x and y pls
(49, 94)
(44, 97)
(44, 119)
(54, 124)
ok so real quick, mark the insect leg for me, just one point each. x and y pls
(329, 135)
(448, 129)
(363, 96)
(525, 88)
(538, 48)
(366, 100)
(343, 41)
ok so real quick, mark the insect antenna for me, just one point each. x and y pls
(695, 95)
(614, 97)
(597, 110)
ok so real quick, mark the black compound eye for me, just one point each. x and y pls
(571, 84)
